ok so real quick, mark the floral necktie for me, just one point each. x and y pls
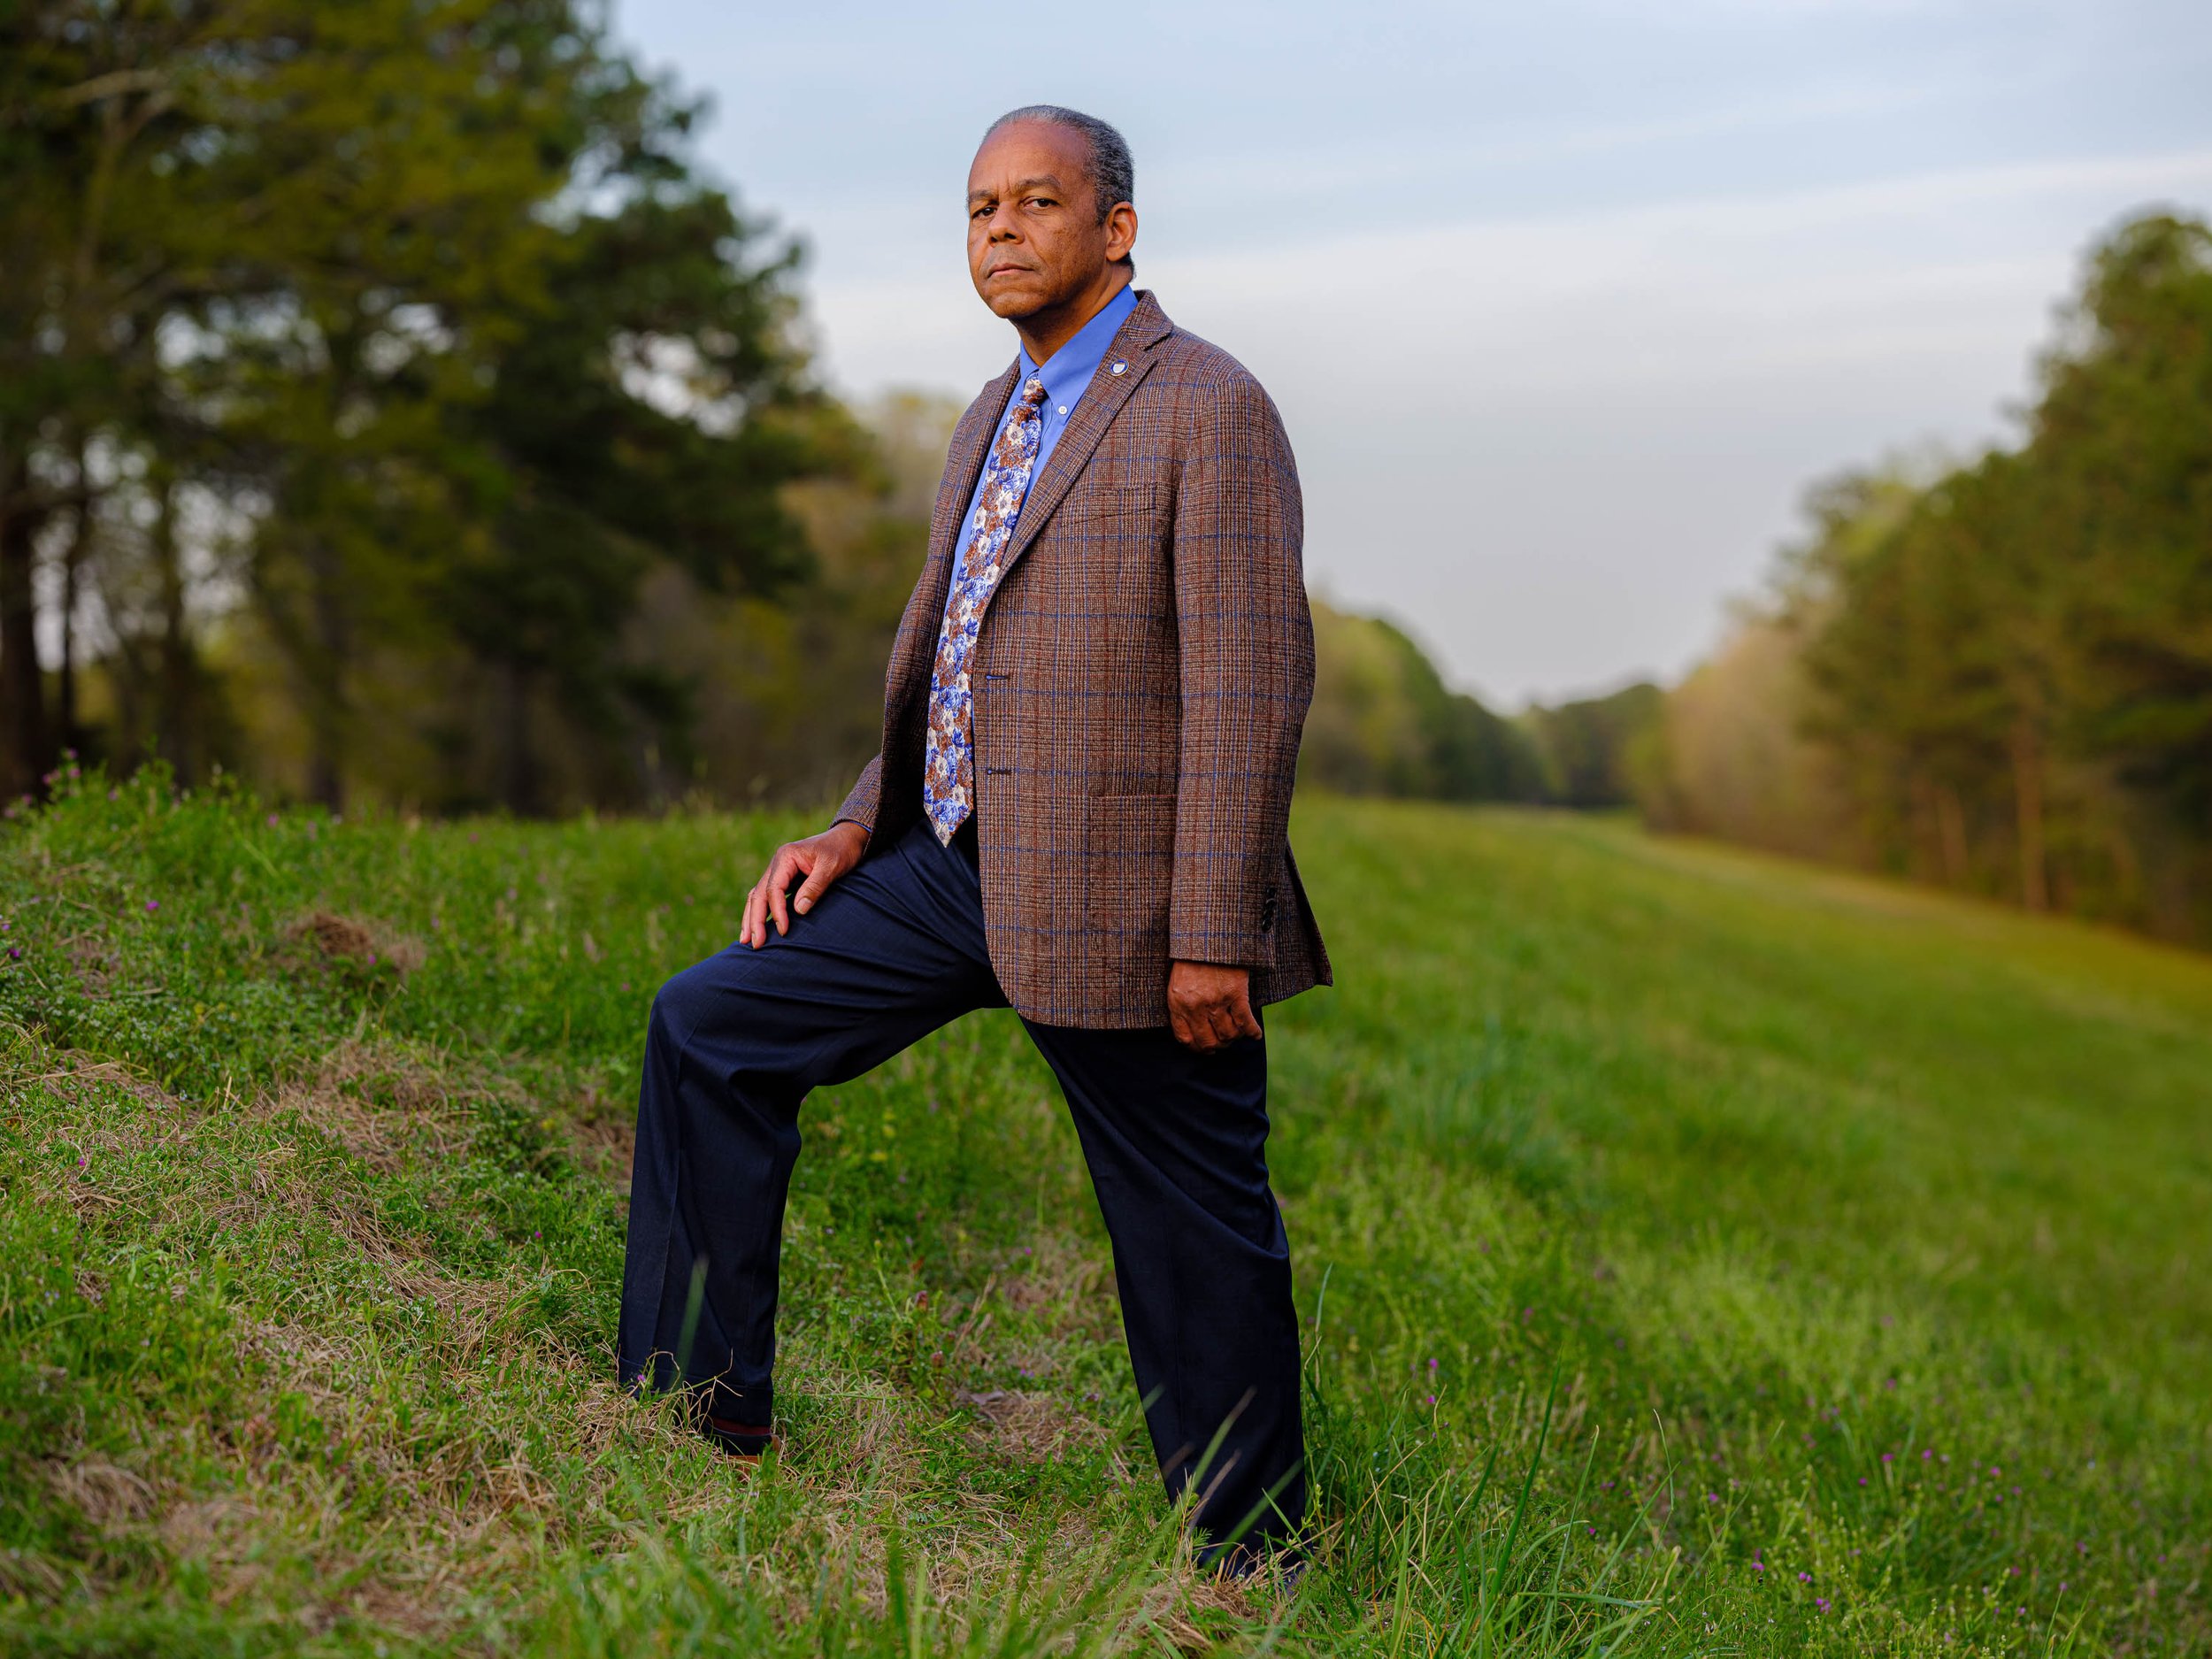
(949, 766)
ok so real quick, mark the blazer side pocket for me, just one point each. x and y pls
(1132, 860)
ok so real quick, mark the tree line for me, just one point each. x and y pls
(1992, 674)
(1996, 675)
(1384, 722)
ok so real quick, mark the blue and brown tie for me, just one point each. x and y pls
(948, 764)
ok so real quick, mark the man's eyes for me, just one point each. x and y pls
(983, 209)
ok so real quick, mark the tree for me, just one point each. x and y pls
(421, 303)
(104, 233)
(656, 411)
(2123, 438)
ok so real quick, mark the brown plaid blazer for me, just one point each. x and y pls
(1140, 682)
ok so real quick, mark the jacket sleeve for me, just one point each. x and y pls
(860, 805)
(1246, 638)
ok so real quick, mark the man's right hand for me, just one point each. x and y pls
(821, 859)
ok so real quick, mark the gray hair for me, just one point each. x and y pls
(1113, 174)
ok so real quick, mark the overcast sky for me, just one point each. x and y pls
(1565, 303)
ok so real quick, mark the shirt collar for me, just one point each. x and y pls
(1069, 369)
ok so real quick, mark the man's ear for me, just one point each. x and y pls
(1121, 231)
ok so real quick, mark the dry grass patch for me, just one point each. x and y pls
(365, 941)
(1029, 1428)
(105, 1494)
(380, 1104)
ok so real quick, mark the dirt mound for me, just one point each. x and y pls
(350, 939)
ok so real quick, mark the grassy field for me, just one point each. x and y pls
(1698, 1255)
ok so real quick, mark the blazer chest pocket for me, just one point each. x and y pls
(1127, 536)
(1130, 508)
(1132, 859)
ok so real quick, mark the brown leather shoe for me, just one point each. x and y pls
(744, 1441)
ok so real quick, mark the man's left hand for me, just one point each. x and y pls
(1209, 1005)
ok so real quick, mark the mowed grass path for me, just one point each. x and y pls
(1699, 1254)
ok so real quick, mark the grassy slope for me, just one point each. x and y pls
(1865, 1233)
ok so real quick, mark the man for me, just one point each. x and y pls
(1090, 730)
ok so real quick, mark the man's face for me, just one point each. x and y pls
(1034, 239)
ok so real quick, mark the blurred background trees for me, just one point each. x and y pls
(364, 362)
(1998, 676)
(391, 411)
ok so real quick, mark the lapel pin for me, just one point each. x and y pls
(1118, 367)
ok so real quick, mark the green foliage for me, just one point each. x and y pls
(1591, 747)
(362, 363)
(1731, 758)
(2006, 665)
(1669, 1224)
(1383, 722)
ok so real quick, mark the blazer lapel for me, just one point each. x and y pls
(1140, 331)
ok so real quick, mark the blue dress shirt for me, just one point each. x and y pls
(1065, 374)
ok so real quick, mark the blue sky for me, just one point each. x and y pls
(1565, 303)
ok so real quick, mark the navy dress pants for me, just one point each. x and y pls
(1176, 1142)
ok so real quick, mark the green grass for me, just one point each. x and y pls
(1698, 1254)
